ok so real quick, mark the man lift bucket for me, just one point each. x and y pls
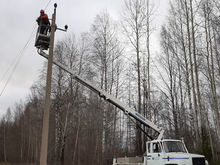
(43, 32)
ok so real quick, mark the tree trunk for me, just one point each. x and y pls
(197, 123)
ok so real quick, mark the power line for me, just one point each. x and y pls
(18, 57)
(4, 75)
(17, 60)
(47, 4)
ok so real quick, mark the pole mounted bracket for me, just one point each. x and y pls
(65, 28)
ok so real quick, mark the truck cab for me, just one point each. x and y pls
(171, 152)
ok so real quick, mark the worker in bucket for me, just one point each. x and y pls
(43, 22)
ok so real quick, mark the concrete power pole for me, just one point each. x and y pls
(45, 130)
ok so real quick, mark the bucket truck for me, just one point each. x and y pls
(160, 151)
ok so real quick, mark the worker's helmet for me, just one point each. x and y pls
(42, 11)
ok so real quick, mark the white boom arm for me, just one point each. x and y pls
(108, 97)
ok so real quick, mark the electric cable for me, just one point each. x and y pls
(17, 60)
(47, 4)
(18, 57)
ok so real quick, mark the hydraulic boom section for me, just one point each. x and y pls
(111, 99)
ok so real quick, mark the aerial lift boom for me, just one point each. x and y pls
(111, 99)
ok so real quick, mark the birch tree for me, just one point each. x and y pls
(135, 25)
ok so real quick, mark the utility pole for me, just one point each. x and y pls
(45, 130)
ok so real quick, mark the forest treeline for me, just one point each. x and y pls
(178, 88)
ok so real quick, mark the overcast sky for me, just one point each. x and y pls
(17, 23)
